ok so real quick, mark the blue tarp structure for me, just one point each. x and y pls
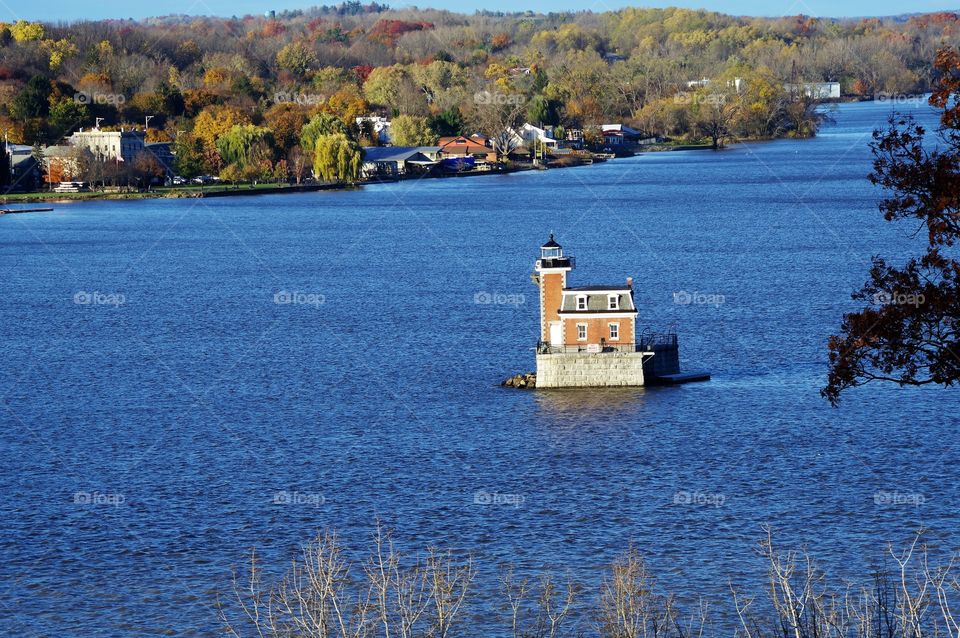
(458, 163)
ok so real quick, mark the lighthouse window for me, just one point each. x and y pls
(614, 332)
(613, 302)
(582, 302)
(581, 332)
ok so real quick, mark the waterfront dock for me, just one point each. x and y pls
(10, 211)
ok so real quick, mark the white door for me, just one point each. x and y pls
(556, 333)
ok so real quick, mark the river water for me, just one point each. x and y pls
(178, 415)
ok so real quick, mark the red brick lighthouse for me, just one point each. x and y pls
(585, 318)
(588, 333)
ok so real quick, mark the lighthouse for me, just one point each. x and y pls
(588, 333)
(551, 276)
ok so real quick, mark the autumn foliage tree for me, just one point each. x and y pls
(909, 333)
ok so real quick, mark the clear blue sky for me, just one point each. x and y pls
(53, 10)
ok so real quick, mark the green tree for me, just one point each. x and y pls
(188, 156)
(385, 84)
(33, 100)
(321, 124)
(231, 173)
(236, 145)
(543, 111)
(337, 158)
(448, 122)
(296, 58)
(65, 115)
(411, 130)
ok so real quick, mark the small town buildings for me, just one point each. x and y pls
(61, 164)
(574, 138)
(377, 125)
(397, 161)
(121, 146)
(25, 169)
(531, 136)
(588, 334)
(464, 147)
(815, 90)
(623, 137)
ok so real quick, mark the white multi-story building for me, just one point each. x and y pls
(120, 145)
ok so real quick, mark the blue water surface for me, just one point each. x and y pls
(151, 437)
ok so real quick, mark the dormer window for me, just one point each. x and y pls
(581, 302)
(613, 302)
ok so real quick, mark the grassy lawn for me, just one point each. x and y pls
(187, 190)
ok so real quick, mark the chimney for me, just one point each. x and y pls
(630, 283)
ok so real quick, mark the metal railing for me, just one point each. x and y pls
(648, 343)
(652, 340)
(545, 348)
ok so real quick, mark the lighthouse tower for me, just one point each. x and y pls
(551, 276)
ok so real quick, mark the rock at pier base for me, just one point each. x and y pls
(528, 380)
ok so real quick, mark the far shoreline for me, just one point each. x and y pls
(241, 190)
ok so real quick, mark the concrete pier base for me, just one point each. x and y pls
(590, 370)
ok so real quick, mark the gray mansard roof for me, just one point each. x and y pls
(597, 302)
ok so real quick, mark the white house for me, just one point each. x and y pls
(379, 125)
(527, 134)
(816, 90)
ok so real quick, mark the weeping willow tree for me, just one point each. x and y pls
(237, 145)
(337, 158)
